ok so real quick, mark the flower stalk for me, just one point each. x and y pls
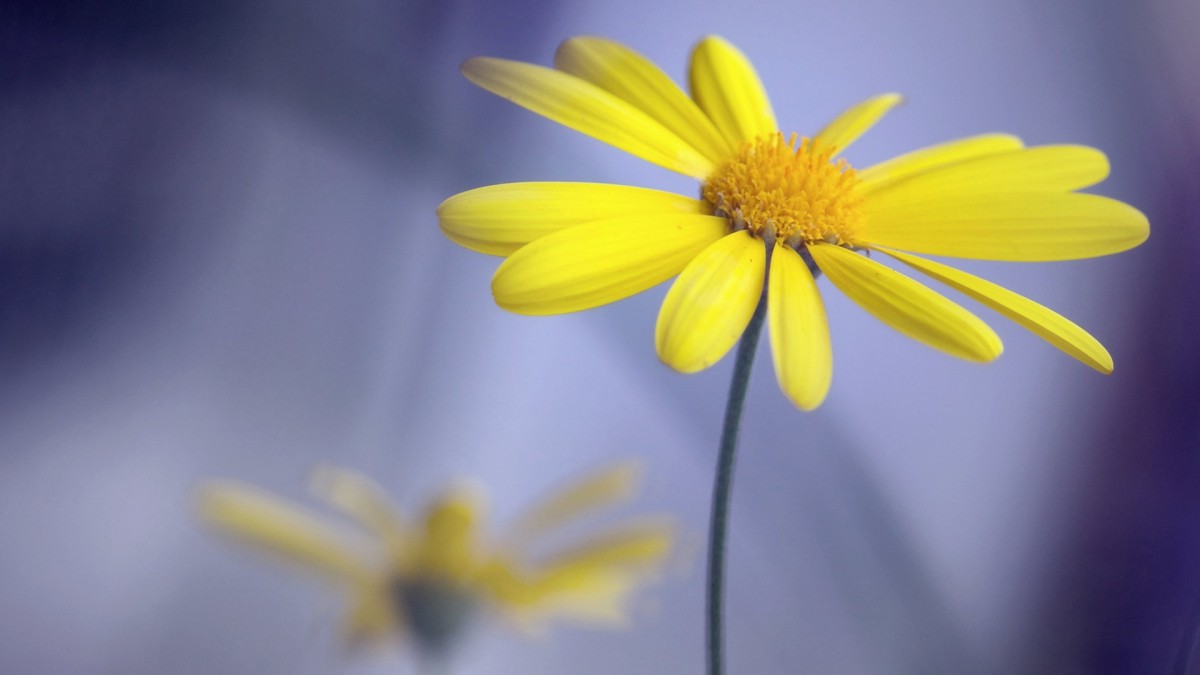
(723, 484)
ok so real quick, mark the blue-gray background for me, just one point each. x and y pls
(219, 257)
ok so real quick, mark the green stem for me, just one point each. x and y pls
(723, 484)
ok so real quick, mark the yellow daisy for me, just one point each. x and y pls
(428, 579)
(773, 210)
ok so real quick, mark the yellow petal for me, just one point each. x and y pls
(638, 546)
(907, 306)
(364, 500)
(594, 492)
(594, 595)
(600, 262)
(451, 525)
(708, 307)
(1019, 226)
(1047, 167)
(633, 78)
(855, 121)
(595, 598)
(269, 523)
(1047, 324)
(727, 88)
(586, 108)
(499, 219)
(370, 617)
(592, 584)
(799, 330)
(935, 156)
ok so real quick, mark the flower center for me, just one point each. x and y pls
(789, 192)
(435, 613)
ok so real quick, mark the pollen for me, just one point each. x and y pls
(788, 191)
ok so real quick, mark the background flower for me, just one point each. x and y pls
(425, 580)
(220, 259)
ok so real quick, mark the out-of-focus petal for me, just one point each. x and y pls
(450, 549)
(586, 108)
(908, 306)
(499, 219)
(597, 595)
(591, 584)
(726, 86)
(276, 526)
(709, 305)
(799, 330)
(363, 499)
(592, 493)
(371, 616)
(634, 78)
(1018, 226)
(637, 546)
(599, 262)
(1047, 324)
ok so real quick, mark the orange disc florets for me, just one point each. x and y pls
(786, 191)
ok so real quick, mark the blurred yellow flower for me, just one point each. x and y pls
(428, 579)
(773, 209)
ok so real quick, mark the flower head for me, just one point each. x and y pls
(428, 579)
(774, 209)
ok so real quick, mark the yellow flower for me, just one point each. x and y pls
(772, 210)
(428, 579)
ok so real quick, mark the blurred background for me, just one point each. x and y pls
(219, 258)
